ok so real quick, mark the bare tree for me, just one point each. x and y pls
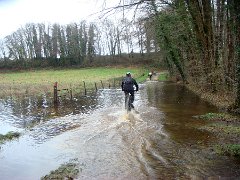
(91, 43)
(3, 53)
(83, 40)
(55, 49)
(110, 31)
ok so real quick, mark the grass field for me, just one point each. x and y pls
(41, 81)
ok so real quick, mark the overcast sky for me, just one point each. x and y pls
(16, 13)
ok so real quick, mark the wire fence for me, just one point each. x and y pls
(83, 88)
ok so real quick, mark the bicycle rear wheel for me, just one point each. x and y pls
(127, 102)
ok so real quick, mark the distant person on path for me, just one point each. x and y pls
(150, 75)
(128, 84)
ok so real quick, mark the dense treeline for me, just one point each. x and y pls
(41, 45)
(200, 39)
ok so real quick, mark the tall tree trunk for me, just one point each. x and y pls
(229, 67)
(237, 45)
(202, 19)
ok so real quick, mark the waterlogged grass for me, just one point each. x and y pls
(9, 136)
(217, 116)
(226, 127)
(65, 171)
(222, 128)
(41, 81)
(211, 116)
(230, 149)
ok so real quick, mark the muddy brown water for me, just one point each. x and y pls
(158, 140)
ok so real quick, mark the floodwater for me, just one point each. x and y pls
(158, 140)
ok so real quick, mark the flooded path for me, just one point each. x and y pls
(159, 140)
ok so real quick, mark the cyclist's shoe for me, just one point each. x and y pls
(131, 105)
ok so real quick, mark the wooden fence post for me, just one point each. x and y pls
(70, 91)
(102, 84)
(55, 93)
(96, 86)
(85, 90)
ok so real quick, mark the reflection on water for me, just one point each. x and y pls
(179, 106)
(158, 140)
(27, 112)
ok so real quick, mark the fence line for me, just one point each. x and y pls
(56, 91)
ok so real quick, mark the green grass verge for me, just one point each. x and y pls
(9, 136)
(163, 76)
(39, 82)
(142, 77)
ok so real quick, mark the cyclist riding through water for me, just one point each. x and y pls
(128, 84)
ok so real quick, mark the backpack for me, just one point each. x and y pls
(128, 83)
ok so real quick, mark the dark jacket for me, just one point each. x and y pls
(128, 84)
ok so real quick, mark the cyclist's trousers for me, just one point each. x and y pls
(131, 95)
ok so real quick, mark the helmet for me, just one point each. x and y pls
(128, 73)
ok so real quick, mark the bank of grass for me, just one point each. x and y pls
(39, 82)
(9, 136)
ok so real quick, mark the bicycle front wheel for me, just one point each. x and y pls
(127, 102)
